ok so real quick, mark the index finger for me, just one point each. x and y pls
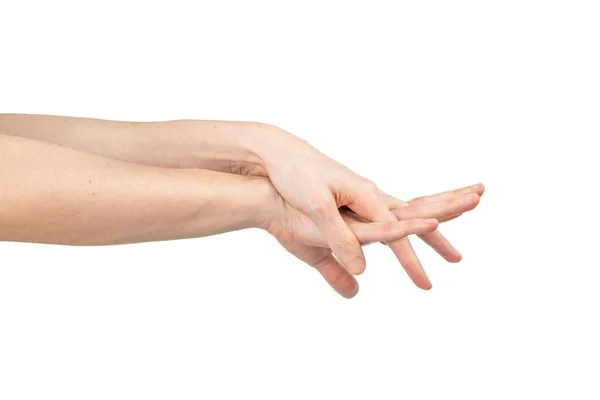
(374, 209)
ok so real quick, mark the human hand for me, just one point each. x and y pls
(445, 207)
(300, 235)
(318, 186)
(290, 225)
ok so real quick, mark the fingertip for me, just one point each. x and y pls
(338, 278)
(422, 281)
(358, 271)
(479, 188)
(424, 284)
(474, 197)
(357, 266)
(434, 223)
(455, 255)
(352, 294)
(454, 258)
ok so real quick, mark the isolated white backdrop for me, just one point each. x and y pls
(421, 97)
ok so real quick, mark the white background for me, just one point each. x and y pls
(421, 97)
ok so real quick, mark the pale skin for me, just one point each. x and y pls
(80, 181)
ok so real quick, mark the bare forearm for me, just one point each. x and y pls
(52, 194)
(213, 145)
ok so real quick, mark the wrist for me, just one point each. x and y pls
(243, 148)
(248, 142)
(211, 145)
(231, 146)
(225, 202)
(266, 145)
(266, 204)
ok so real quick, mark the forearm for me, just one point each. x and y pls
(214, 145)
(52, 194)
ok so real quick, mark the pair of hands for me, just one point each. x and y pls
(325, 209)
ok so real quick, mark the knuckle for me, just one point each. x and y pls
(451, 202)
(322, 262)
(391, 228)
(405, 213)
(413, 224)
(385, 229)
(371, 187)
(346, 243)
(321, 207)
